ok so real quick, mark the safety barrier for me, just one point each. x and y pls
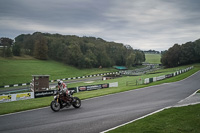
(154, 79)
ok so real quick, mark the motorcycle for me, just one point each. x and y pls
(60, 101)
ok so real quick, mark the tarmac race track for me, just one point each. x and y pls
(102, 113)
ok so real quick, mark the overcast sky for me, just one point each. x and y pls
(143, 24)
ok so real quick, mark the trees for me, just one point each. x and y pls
(90, 59)
(171, 58)
(75, 55)
(41, 48)
(182, 54)
(187, 55)
(139, 57)
(7, 45)
(173, 55)
(130, 60)
(16, 50)
(197, 50)
(82, 52)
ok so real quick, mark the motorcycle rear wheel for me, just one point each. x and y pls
(55, 106)
(76, 103)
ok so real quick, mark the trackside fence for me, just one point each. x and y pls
(154, 79)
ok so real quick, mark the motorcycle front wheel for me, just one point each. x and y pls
(76, 102)
(55, 106)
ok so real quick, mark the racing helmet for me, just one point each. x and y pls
(60, 83)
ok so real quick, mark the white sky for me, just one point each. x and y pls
(143, 24)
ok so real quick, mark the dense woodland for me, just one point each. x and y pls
(177, 55)
(82, 52)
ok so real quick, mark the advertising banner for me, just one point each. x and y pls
(146, 81)
(154, 79)
(5, 98)
(82, 88)
(23, 96)
(92, 87)
(44, 93)
(150, 80)
(160, 78)
(16, 97)
(105, 85)
(115, 84)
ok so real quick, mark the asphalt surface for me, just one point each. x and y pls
(102, 113)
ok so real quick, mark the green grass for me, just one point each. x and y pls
(153, 58)
(43, 102)
(173, 120)
(21, 71)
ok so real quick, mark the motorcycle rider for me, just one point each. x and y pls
(63, 87)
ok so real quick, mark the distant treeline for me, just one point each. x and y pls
(151, 52)
(82, 52)
(187, 53)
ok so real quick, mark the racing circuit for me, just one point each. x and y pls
(101, 113)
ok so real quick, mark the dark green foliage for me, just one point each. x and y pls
(41, 48)
(16, 50)
(187, 53)
(6, 43)
(171, 58)
(8, 52)
(82, 52)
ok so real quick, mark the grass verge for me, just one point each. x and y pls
(173, 120)
(153, 58)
